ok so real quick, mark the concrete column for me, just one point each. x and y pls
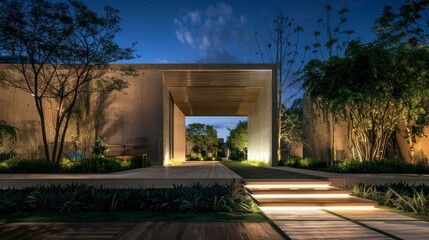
(179, 134)
(262, 128)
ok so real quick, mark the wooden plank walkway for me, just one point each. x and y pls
(141, 230)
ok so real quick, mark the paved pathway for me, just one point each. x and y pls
(206, 172)
(341, 179)
(348, 224)
(142, 230)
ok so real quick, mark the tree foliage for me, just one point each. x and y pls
(407, 25)
(203, 138)
(333, 37)
(7, 130)
(292, 122)
(372, 89)
(237, 139)
(63, 48)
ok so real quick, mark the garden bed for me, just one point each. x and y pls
(72, 199)
(404, 197)
(353, 166)
(81, 165)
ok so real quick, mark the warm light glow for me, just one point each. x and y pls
(321, 195)
(285, 185)
(319, 208)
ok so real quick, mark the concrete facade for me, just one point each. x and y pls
(151, 112)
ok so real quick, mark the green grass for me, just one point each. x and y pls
(133, 217)
(248, 171)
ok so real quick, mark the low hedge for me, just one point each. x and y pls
(81, 165)
(83, 198)
(354, 166)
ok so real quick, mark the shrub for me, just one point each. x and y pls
(96, 165)
(29, 166)
(354, 166)
(298, 162)
(100, 148)
(7, 155)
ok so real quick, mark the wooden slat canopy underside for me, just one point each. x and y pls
(216, 93)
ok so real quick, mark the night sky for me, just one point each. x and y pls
(197, 31)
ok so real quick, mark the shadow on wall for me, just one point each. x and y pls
(32, 147)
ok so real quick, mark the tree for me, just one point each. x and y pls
(372, 88)
(330, 41)
(203, 137)
(282, 49)
(292, 122)
(64, 49)
(237, 139)
(408, 25)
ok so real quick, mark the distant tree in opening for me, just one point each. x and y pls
(237, 140)
(203, 138)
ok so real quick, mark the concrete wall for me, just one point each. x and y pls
(262, 129)
(135, 115)
(179, 134)
(421, 146)
(317, 134)
(132, 117)
(18, 109)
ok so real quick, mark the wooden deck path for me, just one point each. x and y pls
(141, 230)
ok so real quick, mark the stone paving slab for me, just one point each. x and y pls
(341, 179)
(301, 215)
(327, 230)
(205, 172)
(348, 224)
(412, 230)
(373, 215)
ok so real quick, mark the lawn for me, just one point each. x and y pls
(248, 171)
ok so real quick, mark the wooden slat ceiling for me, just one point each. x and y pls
(216, 93)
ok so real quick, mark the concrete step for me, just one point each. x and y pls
(329, 190)
(287, 183)
(318, 202)
(307, 193)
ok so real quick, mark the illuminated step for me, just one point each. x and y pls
(304, 193)
(292, 184)
(327, 191)
(317, 208)
(312, 195)
(314, 202)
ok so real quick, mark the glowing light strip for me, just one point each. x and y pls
(322, 195)
(268, 186)
(319, 208)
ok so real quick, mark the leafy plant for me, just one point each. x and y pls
(78, 198)
(401, 196)
(100, 148)
(29, 166)
(7, 130)
(41, 199)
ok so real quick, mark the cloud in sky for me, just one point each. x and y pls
(216, 32)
